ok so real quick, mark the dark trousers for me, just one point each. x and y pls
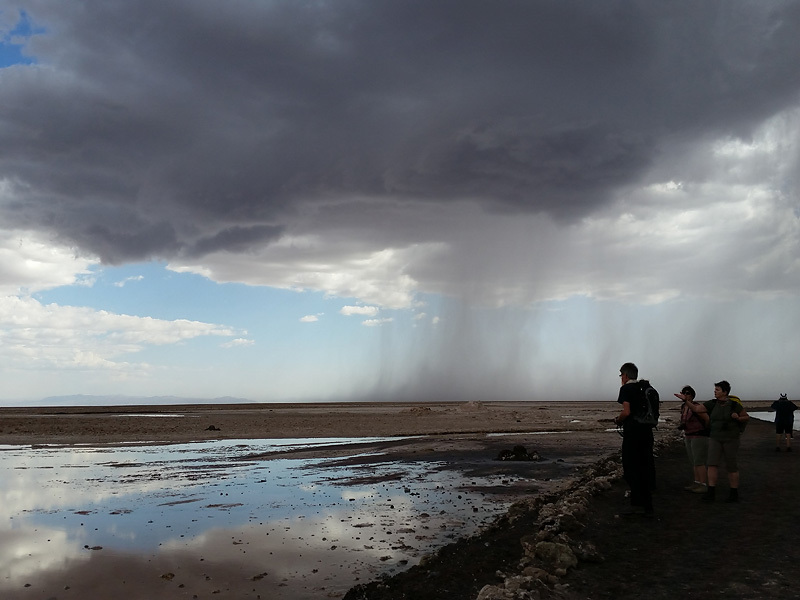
(638, 465)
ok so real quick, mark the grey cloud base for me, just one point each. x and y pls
(176, 131)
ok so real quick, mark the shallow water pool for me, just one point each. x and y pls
(291, 528)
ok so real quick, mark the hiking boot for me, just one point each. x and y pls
(632, 511)
(709, 495)
(733, 495)
(691, 486)
(699, 488)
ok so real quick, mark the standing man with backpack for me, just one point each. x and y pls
(728, 420)
(637, 439)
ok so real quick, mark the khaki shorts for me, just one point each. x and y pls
(729, 450)
(697, 449)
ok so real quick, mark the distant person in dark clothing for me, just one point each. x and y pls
(637, 443)
(784, 421)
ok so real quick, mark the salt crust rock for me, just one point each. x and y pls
(587, 552)
(472, 405)
(493, 592)
(517, 587)
(559, 556)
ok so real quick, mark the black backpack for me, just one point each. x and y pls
(647, 413)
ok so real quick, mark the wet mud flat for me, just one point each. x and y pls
(191, 423)
(229, 521)
(249, 519)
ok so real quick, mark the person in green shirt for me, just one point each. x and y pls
(728, 418)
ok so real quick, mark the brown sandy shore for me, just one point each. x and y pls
(116, 424)
(745, 550)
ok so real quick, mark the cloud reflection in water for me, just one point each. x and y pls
(286, 524)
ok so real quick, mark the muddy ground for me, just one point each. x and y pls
(689, 550)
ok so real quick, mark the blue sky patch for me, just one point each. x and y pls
(12, 43)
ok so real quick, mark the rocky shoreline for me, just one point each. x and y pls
(550, 548)
(574, 544)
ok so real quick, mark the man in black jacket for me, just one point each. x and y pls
(637, 443)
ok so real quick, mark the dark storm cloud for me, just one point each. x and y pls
(235, 239)
(154, 128)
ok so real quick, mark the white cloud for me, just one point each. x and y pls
(309, 319)
(36, 336)
(238, 342)
(367, 311)
(376, 322)
(337, 267)
(29, 262)
(129, 279)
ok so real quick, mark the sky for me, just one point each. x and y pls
(402, 200)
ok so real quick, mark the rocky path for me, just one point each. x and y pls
(693, 550)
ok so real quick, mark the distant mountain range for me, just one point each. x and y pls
(119, 400)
